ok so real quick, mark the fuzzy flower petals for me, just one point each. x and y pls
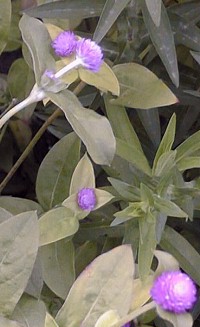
(87, 199)
(64, 44)
(90, 54)
(174, 291)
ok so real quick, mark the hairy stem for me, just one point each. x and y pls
(35, 139)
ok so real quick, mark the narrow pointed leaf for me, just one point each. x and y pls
(111, 11)
(183, 251)
(154, 8)
(68, 9)
(163, 40)
(167, 141)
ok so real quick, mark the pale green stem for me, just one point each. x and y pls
(37, 93)
(136, 313)
(77, 62)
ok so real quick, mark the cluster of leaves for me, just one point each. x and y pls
(65, 267)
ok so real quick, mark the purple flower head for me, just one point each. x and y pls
(87, 199)
(90, 54)
(127, 324)
(174, 291)
(64, 44)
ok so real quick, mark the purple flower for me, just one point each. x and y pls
(174, 291)
(87, 199)
(127, 324)
(90, 54)
(64, 44)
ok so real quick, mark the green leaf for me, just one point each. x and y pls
(58, 266)
(20, 83)
(103, 284)
(9, 323)
(35, 283)
(147, 244)
(189, 163)
(196, 56)
(17, 205)
(38, 44)
(57, 224)
(130, 153)
(180, 320)
(154, 8)
(129, 192)
(165, 163)
(4, 215)
(19, 236)
(185, 32)
(183, 251)
(167, 141)
(168, 207)
(14, 38)
(163, 40)
(83, 175)
(84, 255)
(110, 12)
(188, 147)
(132, 211)
(151, 121)
(30, 312)
(70, 9)
(55, 172)
(142, 89)
(107, 319)
(49, 321)
(102, 196)
(104, 80)
(88, 125)
(165, 262)
(120, 123)
(5, 9)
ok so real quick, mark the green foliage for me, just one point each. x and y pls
(128, 133)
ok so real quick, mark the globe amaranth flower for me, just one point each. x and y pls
(128, 324)
(89, 54)
(174, 291)
(64, 44)
(86, 199)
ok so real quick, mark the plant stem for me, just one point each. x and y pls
(35, 139)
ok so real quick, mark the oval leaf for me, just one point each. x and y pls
(55, 172)
(58, 266)
(107, 319)
(104, 80)
(93, 129)
(83, 176)
(5, 9)
(19, 236)
(57, 224)
(142, 89)
(105, 283)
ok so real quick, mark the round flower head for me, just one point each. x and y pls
(174, 291)
(127, 324)
(90, 54)
(87, 199)
(64, 44)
